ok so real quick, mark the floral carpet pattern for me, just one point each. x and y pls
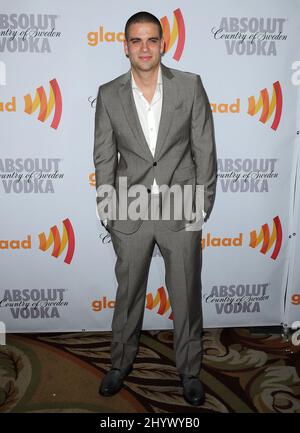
(243, 372)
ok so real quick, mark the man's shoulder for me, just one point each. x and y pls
(183, 75)
(115, 82)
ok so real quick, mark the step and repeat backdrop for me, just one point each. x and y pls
(56, 260)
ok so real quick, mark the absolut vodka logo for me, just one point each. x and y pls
(238, 298)
(250, 36)
(247, 175)
(32, 33)
(29, 175)
(34, 303)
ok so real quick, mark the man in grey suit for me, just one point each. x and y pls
(154, 128)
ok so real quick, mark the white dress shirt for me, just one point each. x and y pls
(149, 115)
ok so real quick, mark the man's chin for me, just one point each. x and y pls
(146, 66)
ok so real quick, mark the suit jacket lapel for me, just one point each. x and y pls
(170, 101)
(127, 101)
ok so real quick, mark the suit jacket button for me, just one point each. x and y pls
(148, 190)
(154, 163)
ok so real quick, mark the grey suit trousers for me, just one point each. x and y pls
(182, 254)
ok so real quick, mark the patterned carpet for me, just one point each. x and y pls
(243, 372)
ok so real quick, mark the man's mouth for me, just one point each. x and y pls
(145, 58)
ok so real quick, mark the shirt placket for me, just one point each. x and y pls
(151, 129)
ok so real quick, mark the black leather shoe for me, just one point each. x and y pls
(113, 381)
(193, 391)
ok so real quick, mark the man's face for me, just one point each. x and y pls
(144, 47)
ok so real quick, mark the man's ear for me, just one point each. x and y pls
(163, 46)
(125, 48)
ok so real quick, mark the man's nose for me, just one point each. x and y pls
(144, 46)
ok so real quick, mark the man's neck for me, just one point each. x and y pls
(145, 79)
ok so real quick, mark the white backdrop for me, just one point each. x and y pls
(57, 264)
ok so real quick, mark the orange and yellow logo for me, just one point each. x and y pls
(170, 36)
(59, 243)
(268, 240)
(46, 106)
(267, 108)
(177, 33)
(16, 244)
(102, 304)
(160, 299)
(295, 299)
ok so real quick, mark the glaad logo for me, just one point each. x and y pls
(46, 106)
(16, 244)
(59, 243)
(170, 36)
(268, 240)
(2, 73)
(226, 108)
(160, 299)
(178, 32)
(8, 106)
(102, 304)
(296, 335)
(295, 299)
(209, 240)
(267, 106)
(2, 334)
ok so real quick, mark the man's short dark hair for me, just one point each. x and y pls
(143, 17)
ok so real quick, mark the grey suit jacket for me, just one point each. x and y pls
(185, 149)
